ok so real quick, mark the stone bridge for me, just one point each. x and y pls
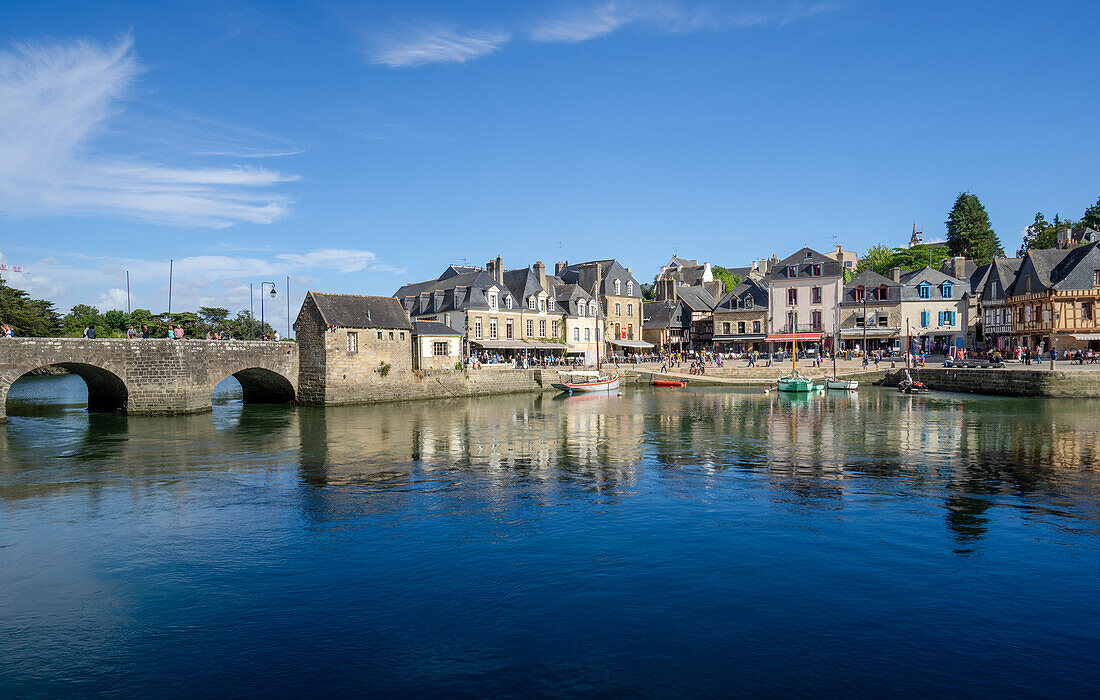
(151, 377)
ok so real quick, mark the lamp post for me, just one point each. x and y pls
(273, 295)
(864, 348)
(1054, 323)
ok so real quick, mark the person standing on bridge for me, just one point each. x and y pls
(145, 331)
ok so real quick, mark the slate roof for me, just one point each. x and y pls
(1003, 271)
(697, 298)
(691, 275)
(1042, 264)
(742, 272)
(802, 260)
(910, 281)
(522, 283)
(748, 287)
(354, 311)
(1077, 269)
(870, 281)
(453, 270)
(659, 314)
(432, 328)
(610, 270)
(683, 262)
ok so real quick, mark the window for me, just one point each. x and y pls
(618, 331)
(553, 329)
(815, 295)
(380, 335)
(542, 329)
(587, 335)
(530, 328)
(1086, 311)
(402, 334)
(882, 321)
(618, 287)
(531, 303)
(741, 327)
(859, 321)
(924, 290)
(725, 329)
(542, 305)
(618, 310)
(815, 320)
(353, 341)
(847, 263)
(1027, 283)
(792, 296)
(576, 335)
(630, 289)
(439, 348)
(939, 318)
(1027, 314)
(391, 335)
(756, 326)
(946, 288)
(492, 328)
(508, 302)
(477, 328)
(550, 304)
(748, 302)
(993, 288)
(924, 319)
(861, 291)
(1096, 278)
(630, 331)
(630, 310)
(792, 271)
(508, 329)
(815, 270)
(492, 300)
(883, 292)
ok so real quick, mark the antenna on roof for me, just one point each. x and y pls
(464, 262)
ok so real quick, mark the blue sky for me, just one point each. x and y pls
(359, 146)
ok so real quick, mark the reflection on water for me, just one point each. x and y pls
(651, 543)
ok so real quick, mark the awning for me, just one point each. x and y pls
(500, 344)
(798, 337)
(631, 343)
(876, 332)
(1086, 336)
(536, 345)
(744, 337)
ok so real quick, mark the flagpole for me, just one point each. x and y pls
(170, 262)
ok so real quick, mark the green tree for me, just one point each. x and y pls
(115, 320)
(214, 316)
(919, 256)
(878, 258)
(1040, 234)
(82, 316)
(27, 316)
(729, 280)
(1092, 216)
(968, 230)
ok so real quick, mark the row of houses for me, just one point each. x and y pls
(584, 311)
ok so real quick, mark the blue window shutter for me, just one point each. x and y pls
(952, 318)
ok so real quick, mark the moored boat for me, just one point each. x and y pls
(841, 384)
(669, 382)
(796, 383)
(587, 382)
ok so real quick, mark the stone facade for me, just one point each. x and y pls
(157, 377)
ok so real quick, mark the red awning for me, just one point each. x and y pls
(786, 337)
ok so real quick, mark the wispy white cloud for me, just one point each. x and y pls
(56, 102)
(437, 44)
(591, 21)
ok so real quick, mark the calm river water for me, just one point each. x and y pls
(658, 543)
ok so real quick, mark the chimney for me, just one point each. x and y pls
(540, 272)
(895, 274)
(499, 268)
(959, 267)
(588, 277)
(666, 289)
(716, 288)
(489, 269)
(559, 267)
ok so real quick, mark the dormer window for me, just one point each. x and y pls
(508, 302)
(861, 292)
(924, 290)
(618, 287)
(580, 308)
(492, 300)
(550, 304)
(748, 302)
(809, 255)
(945, 289)
(630, 288)
(792, 270)
(815, 270)
(883, 291)
(532, 303)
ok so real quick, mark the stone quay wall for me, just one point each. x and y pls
(1081, 384)
(371, 386)
(156, 376)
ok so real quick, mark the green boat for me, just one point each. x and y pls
(796, 383)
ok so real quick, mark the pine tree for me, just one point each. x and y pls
(969, 233)
(1092, 216)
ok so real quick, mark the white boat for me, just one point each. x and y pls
(587, 382)
(841, 384)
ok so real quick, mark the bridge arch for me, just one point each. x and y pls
(262, 385)
(107, 392)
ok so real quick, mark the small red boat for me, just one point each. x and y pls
(668, 382)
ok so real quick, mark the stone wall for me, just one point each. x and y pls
(376, 365)
(1008, 382)
(372, 387)
(156, 376)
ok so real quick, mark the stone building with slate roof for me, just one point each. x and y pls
(436, 346)
(741, 317)
(1054, 299)
(933, 309)
(348, 343)
(619, 298)
(805, 289)
(871, 313)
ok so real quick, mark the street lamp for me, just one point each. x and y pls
(273, 295)
(1052, 326)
